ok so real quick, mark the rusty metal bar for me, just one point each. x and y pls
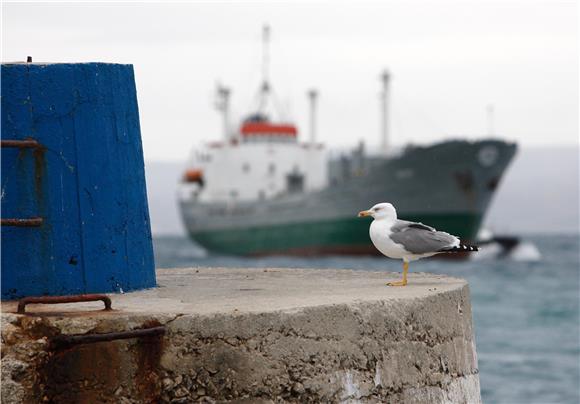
(29, 143)
(63, 341)
(33, 222)
(63, 299)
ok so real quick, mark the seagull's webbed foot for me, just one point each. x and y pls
(402, 282)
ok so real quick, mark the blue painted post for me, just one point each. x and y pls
(86, 181)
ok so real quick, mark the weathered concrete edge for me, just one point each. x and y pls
(344, 327)
(97, 321)
(451, 339)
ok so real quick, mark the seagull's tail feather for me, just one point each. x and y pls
(460, 248)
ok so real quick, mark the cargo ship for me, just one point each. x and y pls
(262, 191)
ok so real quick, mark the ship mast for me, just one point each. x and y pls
(490, 120)
(313, 95)
(385, 77)
(222, 104)
(265, 89)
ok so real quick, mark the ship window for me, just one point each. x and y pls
(261, 195)
(246, 167)
(271, 168)
(294, 182)
(234, 193)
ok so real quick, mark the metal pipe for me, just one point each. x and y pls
(33, 222)
(63, 299)
(29, 143)
(62, 341)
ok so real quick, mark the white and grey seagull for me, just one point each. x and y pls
(409, 241)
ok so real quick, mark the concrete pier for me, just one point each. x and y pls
(252, 335)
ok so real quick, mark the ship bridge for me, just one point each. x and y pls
(258, 128)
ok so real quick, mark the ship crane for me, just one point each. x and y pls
(222, 104)
(490, 120)
(385, 77)
(265, 88)
(258, 127)
(265, 94)
(313, 97)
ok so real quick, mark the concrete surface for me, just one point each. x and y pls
(253, 335)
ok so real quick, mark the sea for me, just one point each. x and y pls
(525, 308)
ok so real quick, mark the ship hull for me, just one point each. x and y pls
(448, 186)
(341, 236)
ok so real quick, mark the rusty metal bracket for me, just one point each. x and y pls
(32, 222)
(21, 144)
(63, 341)
(62, 299)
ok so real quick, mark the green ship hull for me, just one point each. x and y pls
(448, 186)
(345, 236)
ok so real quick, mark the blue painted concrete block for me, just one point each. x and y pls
(87, 181)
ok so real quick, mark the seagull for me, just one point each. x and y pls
(408, 241)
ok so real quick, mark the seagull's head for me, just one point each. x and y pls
(380, 211)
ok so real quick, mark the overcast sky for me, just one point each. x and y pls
(449, 59)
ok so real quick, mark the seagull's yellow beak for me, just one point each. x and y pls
(364, 213)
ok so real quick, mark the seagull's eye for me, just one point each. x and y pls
(377, 209)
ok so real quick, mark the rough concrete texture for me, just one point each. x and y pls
(253, 335)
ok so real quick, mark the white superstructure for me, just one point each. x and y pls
(261, 160)
(256, 169)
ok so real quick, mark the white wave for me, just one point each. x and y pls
(525, 252)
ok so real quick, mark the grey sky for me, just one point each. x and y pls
(448, 59)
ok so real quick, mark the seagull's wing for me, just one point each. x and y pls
(418, 238)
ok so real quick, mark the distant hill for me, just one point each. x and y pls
(539, 194)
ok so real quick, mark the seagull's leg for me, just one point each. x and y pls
(402, 282)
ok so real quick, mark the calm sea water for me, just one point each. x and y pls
(526, 314)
